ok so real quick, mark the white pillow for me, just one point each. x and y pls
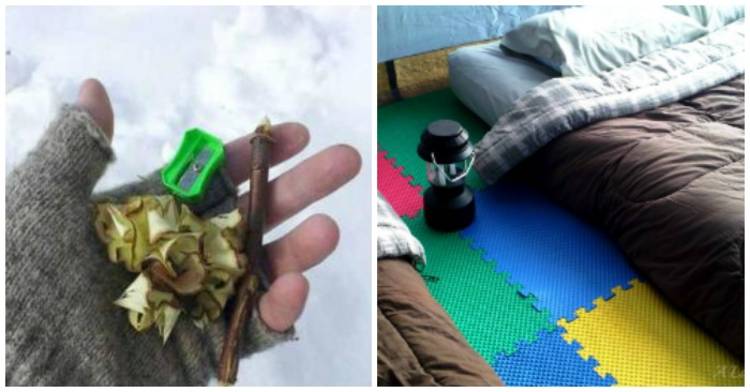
(594, 39)
(712, 17)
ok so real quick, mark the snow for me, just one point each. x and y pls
(170, 69)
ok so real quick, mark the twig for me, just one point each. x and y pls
(256, 212)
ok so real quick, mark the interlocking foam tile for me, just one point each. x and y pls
(485, 308)
(401, 123)
(405, 198)
(549, 361)
(562, 260)
(641, 340)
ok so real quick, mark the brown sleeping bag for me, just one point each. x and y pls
(418, 344)
(668, 185)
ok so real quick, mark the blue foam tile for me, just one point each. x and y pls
(561, 260)
(549, 361)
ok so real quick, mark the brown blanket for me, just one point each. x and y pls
(418, 344)
(668, 185)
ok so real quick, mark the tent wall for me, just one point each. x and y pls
(409, 30)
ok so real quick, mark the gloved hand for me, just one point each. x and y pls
(61, 324)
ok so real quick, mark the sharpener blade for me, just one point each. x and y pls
(194, 169)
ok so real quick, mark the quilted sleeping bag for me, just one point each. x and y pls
(668, 185)
(652, 152)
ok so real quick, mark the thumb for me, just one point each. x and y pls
(93, 98)
(73, 153)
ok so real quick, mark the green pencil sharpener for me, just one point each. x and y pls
(189, 173)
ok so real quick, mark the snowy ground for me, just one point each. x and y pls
(168, 69)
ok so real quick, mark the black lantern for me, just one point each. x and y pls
(448, 203)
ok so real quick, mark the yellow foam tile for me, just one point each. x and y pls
(641, 340)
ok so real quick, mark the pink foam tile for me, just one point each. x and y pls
(405, 198)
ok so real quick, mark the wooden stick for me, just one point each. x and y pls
(256, 213)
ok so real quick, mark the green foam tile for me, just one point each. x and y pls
(401, 123)
(489, 311)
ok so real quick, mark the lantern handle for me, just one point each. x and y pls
(460, 177)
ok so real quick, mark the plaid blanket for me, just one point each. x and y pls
(561, 105)
(394, 238)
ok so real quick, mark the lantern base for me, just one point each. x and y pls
(449, 209)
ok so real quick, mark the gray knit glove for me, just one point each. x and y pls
(61, 325)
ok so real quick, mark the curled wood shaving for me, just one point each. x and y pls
(185, 264)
